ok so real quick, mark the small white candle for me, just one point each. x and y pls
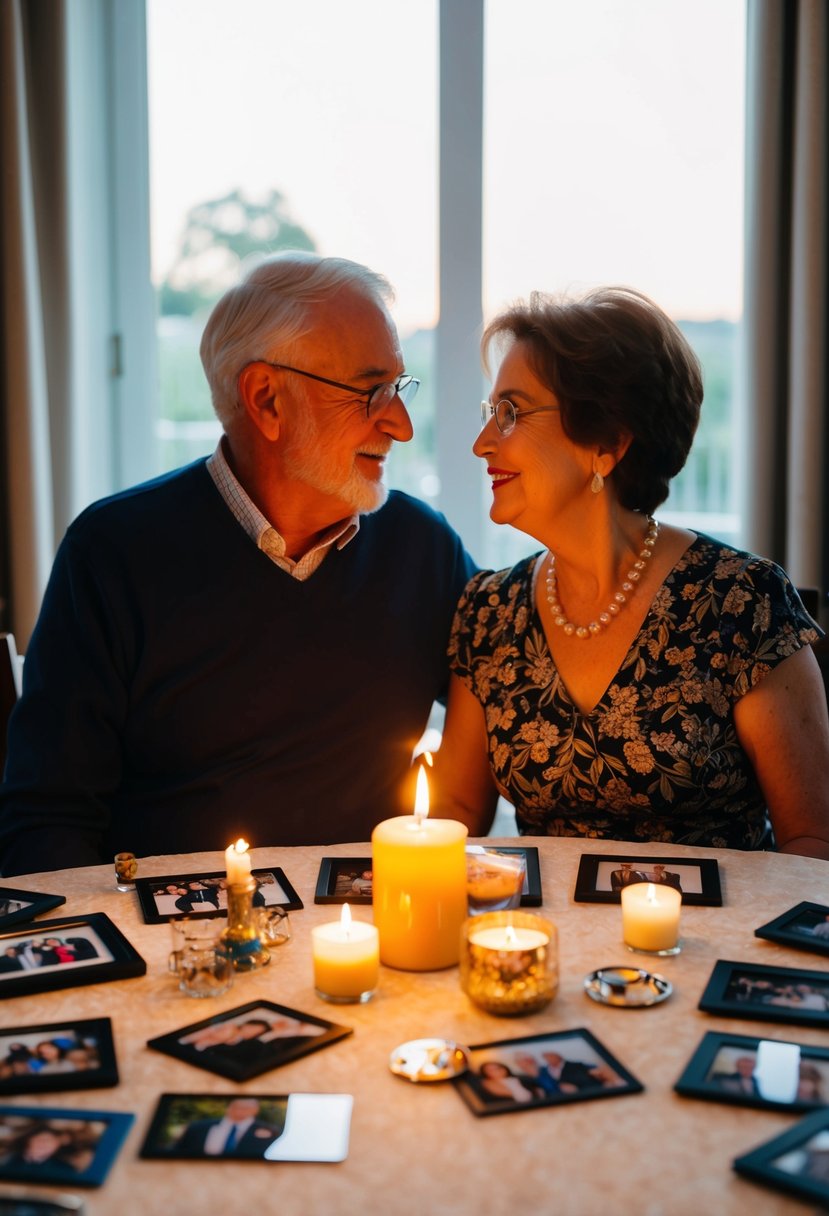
(650, 916)
(346, 958)
(237, 862)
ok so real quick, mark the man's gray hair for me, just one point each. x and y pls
(269, 309)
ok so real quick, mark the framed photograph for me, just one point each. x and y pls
(749, 1071)
(66, 953)
(805, 926)
(348, 879)
(251, 1039)
(773, 994)
(69, 1147)
(17, 906)
(57, 1055)
(602, 876)
(796, 1161)
(206, 894)
(344, 880)
(541, 1070)
(250, 1127)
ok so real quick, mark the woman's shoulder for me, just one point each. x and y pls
(503, 584)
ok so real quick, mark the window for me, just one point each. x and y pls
(613, 152)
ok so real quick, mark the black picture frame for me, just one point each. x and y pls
(770, 994)
(594, 1073)
(332, 871)
(796, 1161)
(200, 1043)
(698, 878)
(34, 903)
(86, 1044)
(286, 1127)
(796, 927)
(88, 1143)
(782, 1075)
(158, 906)
(102, 954)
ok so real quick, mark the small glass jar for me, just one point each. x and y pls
(509, 962)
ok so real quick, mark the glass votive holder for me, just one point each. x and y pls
(494, 880)
(509, 962)
(126, 869)
(274, 926)
(187, 932)
(205, 969)
(650, 918)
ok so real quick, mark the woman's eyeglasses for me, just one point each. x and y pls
(506, 413)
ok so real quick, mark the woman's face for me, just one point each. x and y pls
(42, 1145)
(538, 474)
(492, 1068)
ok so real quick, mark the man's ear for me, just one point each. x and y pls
(257, 392)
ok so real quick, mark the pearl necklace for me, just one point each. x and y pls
(619, 599)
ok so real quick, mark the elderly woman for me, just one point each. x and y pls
(633, 680)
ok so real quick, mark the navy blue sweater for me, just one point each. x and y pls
(180, 690)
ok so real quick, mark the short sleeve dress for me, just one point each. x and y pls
(658, 757)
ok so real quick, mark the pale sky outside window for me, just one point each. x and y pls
(614, 150)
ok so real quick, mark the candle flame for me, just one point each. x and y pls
(651, 894)
(509, 934)
(427, 758)
(421, 807)
(241, 846)
(345, 920)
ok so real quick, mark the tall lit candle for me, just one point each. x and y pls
(650, 918)
(237, 862)
(419, 887)
(346, 959)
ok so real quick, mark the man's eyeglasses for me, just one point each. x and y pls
(506, 413)
(377, 397)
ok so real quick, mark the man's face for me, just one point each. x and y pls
(241, 1108)
(332, 449)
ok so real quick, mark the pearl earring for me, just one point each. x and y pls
(597, 484)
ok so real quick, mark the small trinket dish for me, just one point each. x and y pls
(627, 987)
(429, 1060)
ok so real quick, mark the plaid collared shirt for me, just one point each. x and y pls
(262, 532)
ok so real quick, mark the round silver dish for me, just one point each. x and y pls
(429, 1060)
(627, 987)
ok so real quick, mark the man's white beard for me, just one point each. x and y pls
(306, 460)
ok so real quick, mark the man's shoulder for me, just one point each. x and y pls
(407, 525)
(405, 508)
(146, 518)
(160, 494)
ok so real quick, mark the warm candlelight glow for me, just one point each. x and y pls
(421, 807)
(345, 920)
(511, 937)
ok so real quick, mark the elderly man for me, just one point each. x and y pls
(249, 646)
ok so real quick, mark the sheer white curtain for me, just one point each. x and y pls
(75, 270)
(786, 308)
(36, 317)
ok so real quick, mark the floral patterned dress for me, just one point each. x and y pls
(658, 757)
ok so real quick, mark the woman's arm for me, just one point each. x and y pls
(463, 786)
(783, 726)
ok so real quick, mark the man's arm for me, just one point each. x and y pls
(64, 745)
